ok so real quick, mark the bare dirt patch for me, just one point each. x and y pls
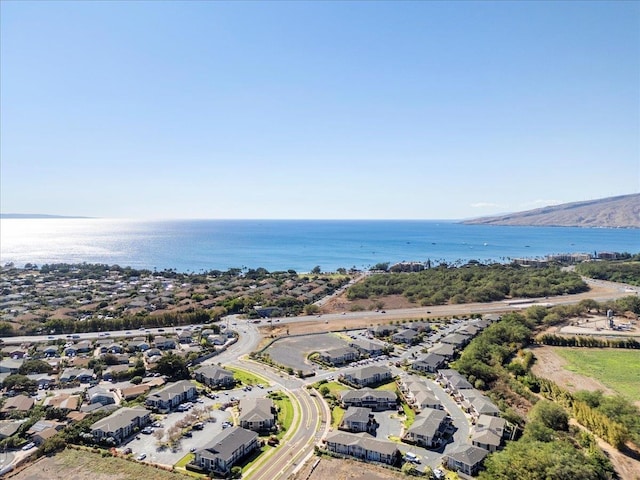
(334, 469)
(85, 465)
(343, 304)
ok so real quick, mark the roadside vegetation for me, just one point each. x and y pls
(549, 448)
(285, 412)
(622, 271)
(498, 361)
(473, 282)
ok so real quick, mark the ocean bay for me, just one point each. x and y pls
(200, 245)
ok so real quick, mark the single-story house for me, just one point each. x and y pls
(100, 395)
(19, 403)
(134, 391)
(381, 331)
(82, 375)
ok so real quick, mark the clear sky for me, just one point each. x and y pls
(392, 110)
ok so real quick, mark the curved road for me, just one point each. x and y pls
(311, 416)
(309, 412)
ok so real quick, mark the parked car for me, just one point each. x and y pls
(28, 446)
(141, 457)
(411, 457)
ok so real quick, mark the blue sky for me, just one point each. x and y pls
(392, 110)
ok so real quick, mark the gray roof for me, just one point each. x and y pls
(494, 423)
(433, 360)
(366, 345)
(486, 436)
(214, 372)
(455, 339)
(357, 414)
(364, 441)
(255, 409)
(172, 390)
(443, 349)
(469, 455)
(119, 419)
(226, 442)
(369, 371)
(339, 351)
(428, 422)
(364, 392)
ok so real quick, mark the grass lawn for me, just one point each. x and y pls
(247, 378)
(336, 416)
(616, 368)
(184, 460)
(410, 414)
(334, 388)
(285, 412)
(391, 386)
(181, 466)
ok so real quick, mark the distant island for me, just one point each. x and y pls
(36, 215)
(612, 212)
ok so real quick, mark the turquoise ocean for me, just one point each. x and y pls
(201, 245)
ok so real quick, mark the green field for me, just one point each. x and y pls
(248, 378)
(617, 369)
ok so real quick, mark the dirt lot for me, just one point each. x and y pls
(84, 465)
(391, 303)
(333, 469)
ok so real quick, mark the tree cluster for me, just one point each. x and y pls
(614, 271)
(606, 424)
(483, 359)
(586, 341)
(470, 283)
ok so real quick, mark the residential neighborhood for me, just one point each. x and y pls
(390, 382)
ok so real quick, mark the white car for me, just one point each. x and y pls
(141, 457)
(28, 446)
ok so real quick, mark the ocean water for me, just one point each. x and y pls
(200, 245)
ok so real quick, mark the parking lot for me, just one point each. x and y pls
(148, 443)
(292, 352)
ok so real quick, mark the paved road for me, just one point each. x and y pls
(614, 291)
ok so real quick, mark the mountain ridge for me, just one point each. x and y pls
(622, 211)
